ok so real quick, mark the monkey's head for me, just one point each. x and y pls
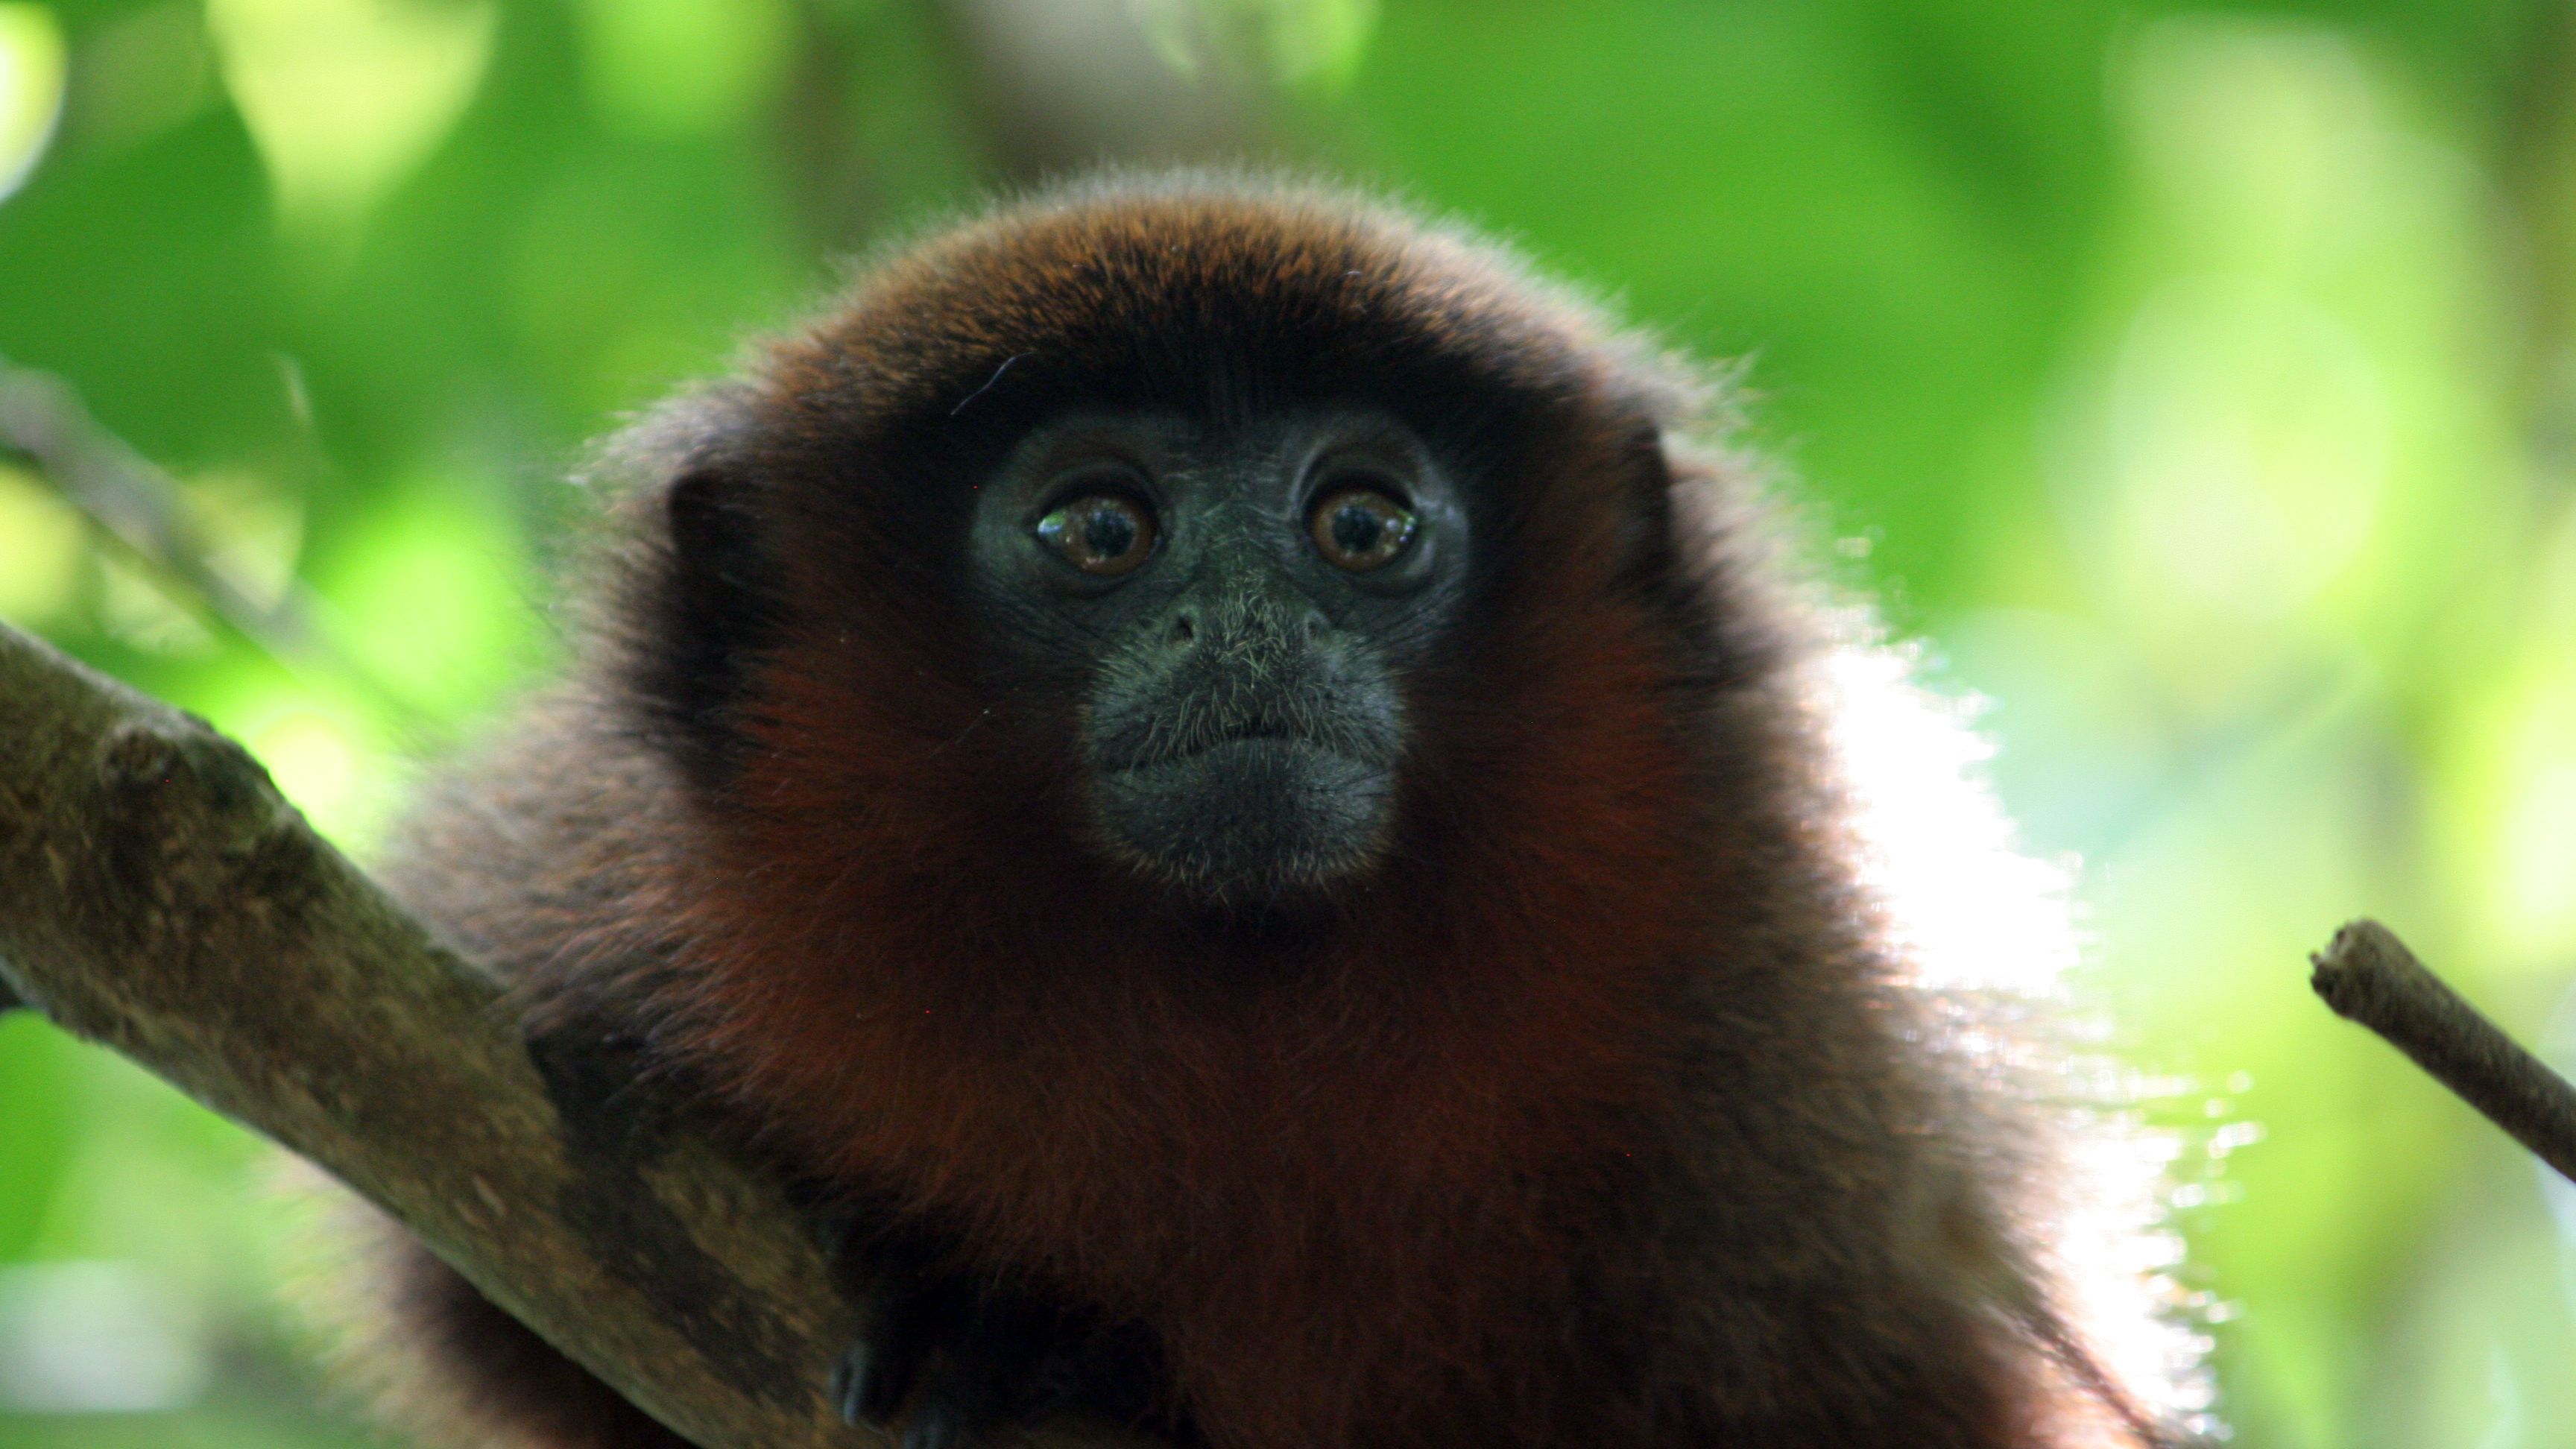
(1228, 549)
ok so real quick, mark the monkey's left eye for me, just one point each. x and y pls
(1100, 533)
(1360, 529)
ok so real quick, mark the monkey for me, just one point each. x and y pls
(1257, 801)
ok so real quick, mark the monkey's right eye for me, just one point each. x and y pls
(1100, 533)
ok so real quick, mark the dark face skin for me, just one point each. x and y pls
(1232, 613)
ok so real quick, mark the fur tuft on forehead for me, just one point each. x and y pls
(1212, 295)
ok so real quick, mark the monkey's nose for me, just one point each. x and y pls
(1233, 625)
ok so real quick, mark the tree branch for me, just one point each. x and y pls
(2367, 975)
(157, 895)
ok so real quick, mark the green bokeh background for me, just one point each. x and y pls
(2197, 381)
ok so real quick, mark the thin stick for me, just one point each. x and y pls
(2367, 975)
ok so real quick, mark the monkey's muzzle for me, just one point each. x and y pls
(1246, 774)
(1248, 821)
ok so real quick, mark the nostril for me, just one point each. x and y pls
(1315, 626)
(1185, 627)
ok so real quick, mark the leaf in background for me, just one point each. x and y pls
(31, 89)
(1301, 44)
(41, 544)
(346, 97)
(682, 65)
(1318, 43)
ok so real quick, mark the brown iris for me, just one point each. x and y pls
(1360, 528)
(1100, 533)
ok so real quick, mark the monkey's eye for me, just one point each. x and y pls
(1360, 528)
(1100, 533)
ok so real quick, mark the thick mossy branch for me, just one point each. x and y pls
(156, 895)
(2367, 975)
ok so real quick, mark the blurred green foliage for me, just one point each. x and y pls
(2199, 380)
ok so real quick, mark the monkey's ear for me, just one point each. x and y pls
(717, 607)
(1646, 529)
(714, 524)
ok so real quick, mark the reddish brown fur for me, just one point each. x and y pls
(1592, 1120)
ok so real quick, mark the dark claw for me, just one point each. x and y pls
(954, 1359)
(849, 1379)
(859, 1391)
(876, 1374)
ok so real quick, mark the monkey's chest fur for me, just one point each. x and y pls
(1540, 1201)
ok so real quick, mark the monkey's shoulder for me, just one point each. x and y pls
(535, 854)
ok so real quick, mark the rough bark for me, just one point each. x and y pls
(159, 897)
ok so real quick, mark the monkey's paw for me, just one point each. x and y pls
(948, 1363)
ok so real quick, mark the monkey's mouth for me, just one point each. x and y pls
(1246, 819)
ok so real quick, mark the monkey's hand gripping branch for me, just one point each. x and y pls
(157, 895)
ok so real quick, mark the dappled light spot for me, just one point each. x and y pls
(41, 543)
(139, 608)
(434, 589)
(315, 763)
(1304, 44)
(682, 65)
(346, 97)
(31, 89)
(97, 1337)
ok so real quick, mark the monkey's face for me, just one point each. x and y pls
(1232, 611)
(1196, 555)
